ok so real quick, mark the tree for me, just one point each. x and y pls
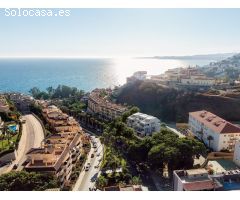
(34, 91)
(136, 180)
(102, 181)
(24, 181)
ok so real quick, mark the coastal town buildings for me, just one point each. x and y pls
(139, 75)
(194, 180)
(4, 107)
(21, 101)
(189, 77)
(100, 105)
(59, 151)
(143, 124)
(214, 131)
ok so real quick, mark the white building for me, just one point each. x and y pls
(194, 180)
(214, 131)
(198, 81)
(236, 156)
(139, 75)
(144, 124)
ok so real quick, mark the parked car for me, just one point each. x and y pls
(92, 155)
(97, 166)
(87, 168)
(15, 166)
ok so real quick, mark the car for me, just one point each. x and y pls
(87, 168)
(15, 166)
(89, 164)
(95, 150)
(98, 154)
(92, 155)
(94, 146)
(97, 166)
(100, 160)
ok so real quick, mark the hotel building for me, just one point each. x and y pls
(213, 130)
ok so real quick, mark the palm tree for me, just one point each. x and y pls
(200, 133)
(209, 138)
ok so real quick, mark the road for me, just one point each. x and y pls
(87, 179)
(32, 136)
(175, 131)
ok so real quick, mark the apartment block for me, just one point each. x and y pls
(214, 131)
(99, 104)
(60, 151)
(144, 124)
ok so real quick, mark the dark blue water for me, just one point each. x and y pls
(22, 74)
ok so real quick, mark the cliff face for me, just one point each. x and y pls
(172, 105)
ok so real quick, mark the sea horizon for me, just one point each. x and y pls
(20, 74)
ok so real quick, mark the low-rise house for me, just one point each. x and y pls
(194, 180)
(143, 124)
(214, 131)
(99, 104)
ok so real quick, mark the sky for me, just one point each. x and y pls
(121, 32)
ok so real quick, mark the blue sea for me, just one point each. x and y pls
(20, 74)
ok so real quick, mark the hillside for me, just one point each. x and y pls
(169, 104)
(228, 68)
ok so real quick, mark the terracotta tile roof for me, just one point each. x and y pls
(199, 185)
(214, 122)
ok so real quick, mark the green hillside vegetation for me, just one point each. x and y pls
(24, 181)
(173, 105)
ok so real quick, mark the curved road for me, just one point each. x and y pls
(32, 136)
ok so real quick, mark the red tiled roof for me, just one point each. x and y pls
(200, 185)
(214, 122)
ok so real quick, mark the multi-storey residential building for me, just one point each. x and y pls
(59, 121)
(4, 107)
(143, 124)
(139, 75)
(214, 131)
(99, 104)
(194, 180)
(60, 151)
(57, 155)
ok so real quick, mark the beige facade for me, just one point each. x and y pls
(60, 151)
(100, 105)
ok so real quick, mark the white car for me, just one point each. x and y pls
(87, 168)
